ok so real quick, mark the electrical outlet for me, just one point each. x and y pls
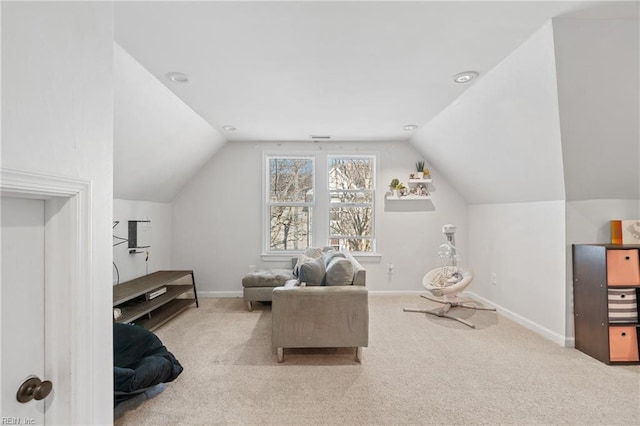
(494, 278)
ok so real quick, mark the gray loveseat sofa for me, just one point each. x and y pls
(324, 307)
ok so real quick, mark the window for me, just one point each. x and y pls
(290, 202)
(331, 206)
(351, 208)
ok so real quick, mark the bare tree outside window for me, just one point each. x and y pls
(291, 201)
(352, 191)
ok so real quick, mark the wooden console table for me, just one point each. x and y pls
(137, 305)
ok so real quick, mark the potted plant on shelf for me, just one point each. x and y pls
(420, 169)
(395, 187)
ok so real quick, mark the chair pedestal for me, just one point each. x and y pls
(448, 304)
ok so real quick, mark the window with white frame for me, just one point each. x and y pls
(290, 202)
(301, 211)
(351, 187)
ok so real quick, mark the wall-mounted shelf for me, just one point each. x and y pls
(417, 181)
(391, 197)
(413, 184)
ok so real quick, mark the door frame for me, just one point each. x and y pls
(69, 295)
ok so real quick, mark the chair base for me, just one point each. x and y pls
(443, 312)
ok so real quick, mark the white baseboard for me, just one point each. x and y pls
(526, 323)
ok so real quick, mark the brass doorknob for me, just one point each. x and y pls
(34, 388)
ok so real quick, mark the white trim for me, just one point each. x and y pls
(67, 278)
(279, 257)
(266, 203)
(526, 323)
(371, 157)
(320, 217)
(286, 257)
(367, 257)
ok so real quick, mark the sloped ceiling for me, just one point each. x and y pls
(352, 70)
(284, 71)
(599, 94)
(558, 119)
(500, 141)
(159, 142)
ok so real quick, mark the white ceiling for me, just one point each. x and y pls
(351, 70)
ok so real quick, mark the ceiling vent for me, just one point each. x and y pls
(320, 138)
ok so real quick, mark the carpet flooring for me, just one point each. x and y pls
(417, 370)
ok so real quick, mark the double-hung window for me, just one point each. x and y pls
(352, 200)
(290, 202)
(329, 205)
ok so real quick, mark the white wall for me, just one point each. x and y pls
(159, 231)
(500, 141)
(57, 116)
(524, 245)
(217, 218)
(160, 143)
(588, 220)
(599, 94)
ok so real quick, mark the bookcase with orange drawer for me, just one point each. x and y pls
(606, 289)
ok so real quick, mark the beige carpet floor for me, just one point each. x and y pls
(418, 369)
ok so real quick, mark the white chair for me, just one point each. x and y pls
(447, 282)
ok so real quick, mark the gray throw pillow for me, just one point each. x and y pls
(301, 259)
(330, 255)
(312, 272)
(313, 252)
(339, 272)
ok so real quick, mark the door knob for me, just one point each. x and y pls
(34, 388)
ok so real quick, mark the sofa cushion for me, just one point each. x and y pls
(312, 272)
(339, 272)
(267, 278)
(330, 255)
(303, 258)
(313, 252)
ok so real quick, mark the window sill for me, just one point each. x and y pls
(368, 257)
(361, 257)
(278, 257)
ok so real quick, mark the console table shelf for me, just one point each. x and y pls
(132, 299)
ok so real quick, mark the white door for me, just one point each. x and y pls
(22, 306)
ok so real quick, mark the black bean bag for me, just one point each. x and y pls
(140, 361)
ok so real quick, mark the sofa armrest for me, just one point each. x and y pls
(359, 273)
(318, 317)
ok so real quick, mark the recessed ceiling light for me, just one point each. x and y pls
(465, 77)
(178, 77)
(410, 127)
(230, 128)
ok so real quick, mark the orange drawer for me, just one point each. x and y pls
(623, 267)
(623, 344)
